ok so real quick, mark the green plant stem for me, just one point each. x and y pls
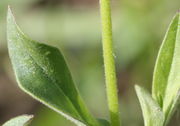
(110, 73)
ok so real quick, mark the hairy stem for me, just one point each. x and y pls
(110, 72)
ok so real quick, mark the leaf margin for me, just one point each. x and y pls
(149, 119)
(26, 120)
(69, 117)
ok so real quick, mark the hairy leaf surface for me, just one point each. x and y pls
(41, 71)
(152, 113)
(22, 120)
(166, 80)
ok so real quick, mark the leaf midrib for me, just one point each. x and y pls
(45, 73)
(177, 29)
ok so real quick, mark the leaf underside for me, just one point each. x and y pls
(166, 79)
(41, 71)
(22, 120)
(152, 113)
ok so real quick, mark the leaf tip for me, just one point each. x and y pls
(30, 116)
(9, 8)
(177, 15)
(137, 87)
(9, 11)
(21, 120)
(27, 117)
(10, 16)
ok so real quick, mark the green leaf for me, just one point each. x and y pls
(22, 120)
(41, 71)
(104, 122)
(175, 104)
(166, 80)
(152, 113)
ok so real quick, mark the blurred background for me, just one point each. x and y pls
(74, 27)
